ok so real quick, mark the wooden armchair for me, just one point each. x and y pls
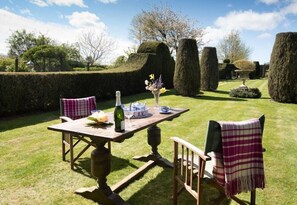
(72, 109)
(192, 166)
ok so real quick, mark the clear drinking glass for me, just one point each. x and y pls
(128, 114)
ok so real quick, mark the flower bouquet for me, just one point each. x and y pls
(155, 86)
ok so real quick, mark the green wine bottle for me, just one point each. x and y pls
(119, 117)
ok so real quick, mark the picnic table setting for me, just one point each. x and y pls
(99, 128)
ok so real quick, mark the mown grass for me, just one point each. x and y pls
(32, 170)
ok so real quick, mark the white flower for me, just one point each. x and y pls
(154, 85)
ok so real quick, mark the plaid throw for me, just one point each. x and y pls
(78, 107)
(240, 167)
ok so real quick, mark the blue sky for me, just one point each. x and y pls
(258, 21)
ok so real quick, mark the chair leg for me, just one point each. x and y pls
(63, 147)
(175, 187)
(253, 197)
(109, 146)
(71, 152)
(81, 152)
(174, 191)
(68, 139)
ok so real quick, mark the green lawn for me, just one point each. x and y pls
(32, 170)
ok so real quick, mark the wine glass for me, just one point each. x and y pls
(128, 114)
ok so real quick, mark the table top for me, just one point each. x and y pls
(107, 133)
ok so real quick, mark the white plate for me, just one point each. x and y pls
(168, 112)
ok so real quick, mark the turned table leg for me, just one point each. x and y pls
(100, 168)
(154, 140)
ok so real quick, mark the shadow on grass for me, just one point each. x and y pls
(222, 92)
(215, 98)
(18, 121)
(83, 165)
(202, 96)
(159, 190)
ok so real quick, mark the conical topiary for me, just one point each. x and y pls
(209, 69)
(187, 70)
(282, 79)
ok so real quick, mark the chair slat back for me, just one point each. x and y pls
(213, 142)
(76, 108)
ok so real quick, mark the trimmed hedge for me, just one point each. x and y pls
(282, 83)
(225, 71)
(243, 92)
(23, 92)
(26, 92)
(187, 69)
(209, 69)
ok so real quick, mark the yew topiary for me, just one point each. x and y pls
(209, 69)
(187, 70)
(282, 79)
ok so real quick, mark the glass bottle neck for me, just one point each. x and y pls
(118, 99)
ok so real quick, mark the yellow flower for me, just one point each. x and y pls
(163, 90)
(152, 76)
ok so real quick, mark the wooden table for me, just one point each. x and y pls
(101, 157)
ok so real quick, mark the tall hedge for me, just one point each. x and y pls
(282, 80)
(209, 69)
(187, 70)
(27, 92)
(226, 70)
(152, 57)
(164, 61)
(33, 91)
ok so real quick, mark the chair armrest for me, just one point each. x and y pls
(192, 148)
(65, 119)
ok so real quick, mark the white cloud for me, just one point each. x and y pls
(107, 1)
(44, 3)
(40, 3)
(7, 8)
(10, 22)
(26, 12)
(249, 20)
(85, 20)
(269, 2)
(290, 9)
(79, 3)
(213, 35)
(265, 36)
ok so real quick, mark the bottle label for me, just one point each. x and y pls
(123, 125)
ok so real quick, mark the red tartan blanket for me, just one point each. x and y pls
(79, 107)
(240, 167)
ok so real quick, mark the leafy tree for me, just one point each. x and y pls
(233, 48)
(73, 56)
(72, 52)
(165, 25)
(43, 40)
(21, 40)
(94, 46)
(47, 58)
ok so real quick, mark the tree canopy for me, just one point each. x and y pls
(47, 57)
(233, 48)
(165, 25)
(21, 40)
